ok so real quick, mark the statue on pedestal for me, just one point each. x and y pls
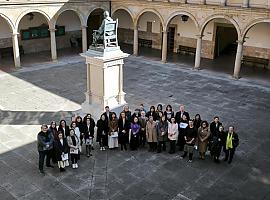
(107, 33)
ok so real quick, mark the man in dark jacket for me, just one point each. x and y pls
(232, 141)
(180, 113)
(45, 145)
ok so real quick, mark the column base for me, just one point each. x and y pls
(236, 77)
(196, 68)
(54, 60)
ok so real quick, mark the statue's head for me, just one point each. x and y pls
(106, 14)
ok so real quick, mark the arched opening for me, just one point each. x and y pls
(219, 45)
(68, 33)
(125, 30)
(150, 30)
(182, 38)
(34, 38)
(93, 23)
(256, 51)
(6, 46)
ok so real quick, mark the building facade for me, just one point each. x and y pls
(203, 27)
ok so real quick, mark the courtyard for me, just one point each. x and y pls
(52, 91)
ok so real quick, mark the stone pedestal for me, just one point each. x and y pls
(104, 80)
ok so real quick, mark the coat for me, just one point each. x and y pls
(60, 149)
(214, 128)
(123, 137)
(235, 140)
(65, 131)
(154, 114)
(102, 130)
(178, 116)
(203, 134)
(172, 131)
(166, 114)
(113, 125)
(70, 143)
(162, 127)
(89, 131)
(45, 141)
(151, 131)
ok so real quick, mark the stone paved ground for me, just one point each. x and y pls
(42, 93)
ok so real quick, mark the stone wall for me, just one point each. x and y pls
(257, 52)
(155, 37)
(125, 35)
(5, 42)
(44, 44)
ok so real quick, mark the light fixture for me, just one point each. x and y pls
(30, 16)
(184, 18)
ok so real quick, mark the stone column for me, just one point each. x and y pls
(121, 95)
(223, 2)
(198, 52)
(16, 50)
(164, 46)
(245, 4)
(136, 41)
(84, 38)
(238, 59)
(53, 44)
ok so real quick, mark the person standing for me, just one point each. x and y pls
(162, 132)
(107, 114)
(182, 127)
(172, 134)
(53, 131)
(180, 113)
(80, 125)
(135, 131)
(232, 141)
(190, 138)
(127, 112)
(168, 113)
(113, 132)
(197, 121)
(64, 128)
(44, 144)
(142, 122)
(159, 111)
(152, 113)
(123, 135)
(61, 151)
(89, 130)
(203, 135)
(102, 132)
(218, 139)
(214, 128)
(74, 144)
(151, 133)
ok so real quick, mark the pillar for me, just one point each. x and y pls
(136, 42)
(53, 44)
(84, 38)
(238, 59)
(245, 4)
(223, 2)
(198, 52)
(16, 50)
(164, 46)
(121, 95)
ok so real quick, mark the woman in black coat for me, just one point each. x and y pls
(102, 132)
(152, 113)
(217, 143)
(182, 127)
(64, 128)
(61, 149)
(168, 113)
(123, 135)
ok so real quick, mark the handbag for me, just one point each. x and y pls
(64, 157)
(74, 151)
(114, 134)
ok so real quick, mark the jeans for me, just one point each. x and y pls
(172, 146)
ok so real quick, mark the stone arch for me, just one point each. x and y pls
(92, 10)
(125, 9)
(220, 16)
(152, 11)
(47, 17)
(9, 22)
(174, 14)
(78, 13)
(253, 23)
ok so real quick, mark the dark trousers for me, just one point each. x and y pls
(74, 158)
(152, 146)
(123, 146)
(190, 155)
(42, 155)
(229, 153)
(161, 146)
(142, 138)
(172, 146)
(88, 149)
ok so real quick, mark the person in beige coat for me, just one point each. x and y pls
(151, 134)
(203, 135)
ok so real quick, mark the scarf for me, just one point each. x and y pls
(229, 144)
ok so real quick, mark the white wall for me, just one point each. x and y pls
(184, 29)
(124, 19)
(149, 17)
(5, 31)
(70, 20)
(259, 36)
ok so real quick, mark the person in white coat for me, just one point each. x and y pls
(172, 134)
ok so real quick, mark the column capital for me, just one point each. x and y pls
(165, 32)
(52, 29)
(83, 26)
(15, 34)
(199, 36)
(240, 42)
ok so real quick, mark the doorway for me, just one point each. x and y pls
(170, 39)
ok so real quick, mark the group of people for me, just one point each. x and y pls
(157, 127)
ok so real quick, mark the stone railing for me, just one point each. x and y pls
(236, 3)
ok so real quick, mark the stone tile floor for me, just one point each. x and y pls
(137, 174)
